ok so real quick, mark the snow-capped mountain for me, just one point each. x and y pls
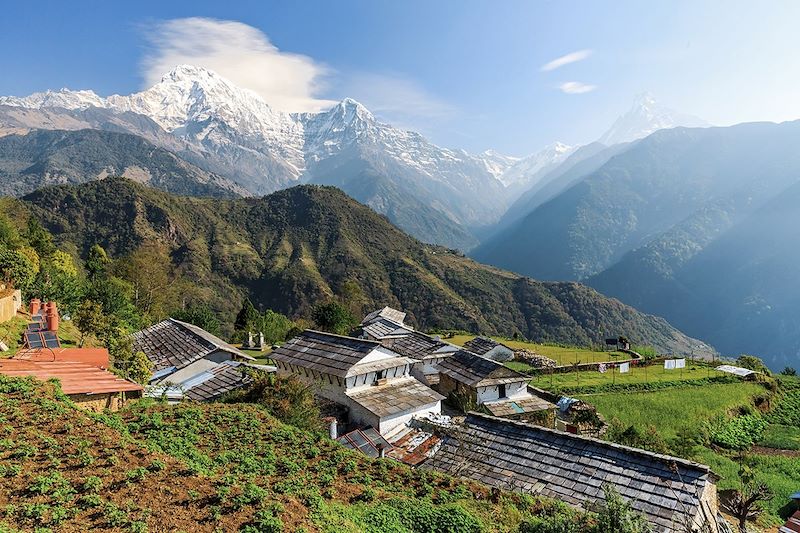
(645, 117)
(497, 163)
(527, 171)
(233, 132)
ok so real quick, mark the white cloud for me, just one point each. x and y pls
(559, 62)
(398, 100)
(240, 53)
(576, 87)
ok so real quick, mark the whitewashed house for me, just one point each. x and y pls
(372, 381)
(501, 390)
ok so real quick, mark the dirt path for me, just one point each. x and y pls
(775, 451)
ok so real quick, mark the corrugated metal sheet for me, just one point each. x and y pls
(75, 378)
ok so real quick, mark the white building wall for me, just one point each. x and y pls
(393, 424)
(513, 390)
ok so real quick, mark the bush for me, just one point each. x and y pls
(738, 433)
(752, 362)
(789, 371)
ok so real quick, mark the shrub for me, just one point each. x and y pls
(738, 433)
(789, 371)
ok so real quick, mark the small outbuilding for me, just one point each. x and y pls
(490, 349)
(87, 385)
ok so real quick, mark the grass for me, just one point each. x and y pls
(638, 374)
(674, 410)
(561, 354)
(11, 334)
(781, 437)
(679, 412)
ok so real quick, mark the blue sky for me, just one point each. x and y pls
(465, 73)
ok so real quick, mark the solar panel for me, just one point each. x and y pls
(34, 327)
(34, 340)
(51, 339)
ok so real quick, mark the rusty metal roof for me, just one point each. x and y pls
(98, 357)
(75, 377)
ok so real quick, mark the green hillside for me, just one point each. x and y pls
(295, 248)
(49, 157)
(223, 467)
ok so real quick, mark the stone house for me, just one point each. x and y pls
(373, 382)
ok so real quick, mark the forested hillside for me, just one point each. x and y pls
(48, 157)
(293, 249)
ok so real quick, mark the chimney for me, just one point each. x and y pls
(333, 429)
(51, 316)
(381, 451)
(36, 304)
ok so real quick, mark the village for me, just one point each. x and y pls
(390, 391)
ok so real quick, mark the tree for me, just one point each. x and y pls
(789, 371)
(199, 315)
(275, 326)
(286, 398)
(90, 320)
(17, 268)
(615, 515)
(746, 503)
(114, 295)
(247, 317)
(333, 317)
(148, 270)
(39, 238)
(137, 367)
(97, 262)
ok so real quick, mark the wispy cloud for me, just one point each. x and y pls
(240, 53)
(576, 87)
(559, 62)
(397, 99)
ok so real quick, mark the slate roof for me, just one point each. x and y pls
(572, 468)
(332, 354)
(419, 346)
(172, 343)
(395, 397)
(380, 328)
(75, 377)
(483, 345)
(513, 407)
(476, 371)
(398, 317)
(227, 376)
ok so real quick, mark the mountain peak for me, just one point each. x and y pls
(644, 117)
(189, 72)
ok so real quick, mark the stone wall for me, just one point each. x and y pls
(113, 401)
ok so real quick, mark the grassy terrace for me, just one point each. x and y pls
(561, 354)
(681, 417)
(572, 381)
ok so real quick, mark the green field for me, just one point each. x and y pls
(561, 354)
(674, 409)
(637, 374)
(680, 412)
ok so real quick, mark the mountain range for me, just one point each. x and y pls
(440, 195)
(693, 224)
(297, 247)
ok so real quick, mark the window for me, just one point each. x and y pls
(501, 391)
